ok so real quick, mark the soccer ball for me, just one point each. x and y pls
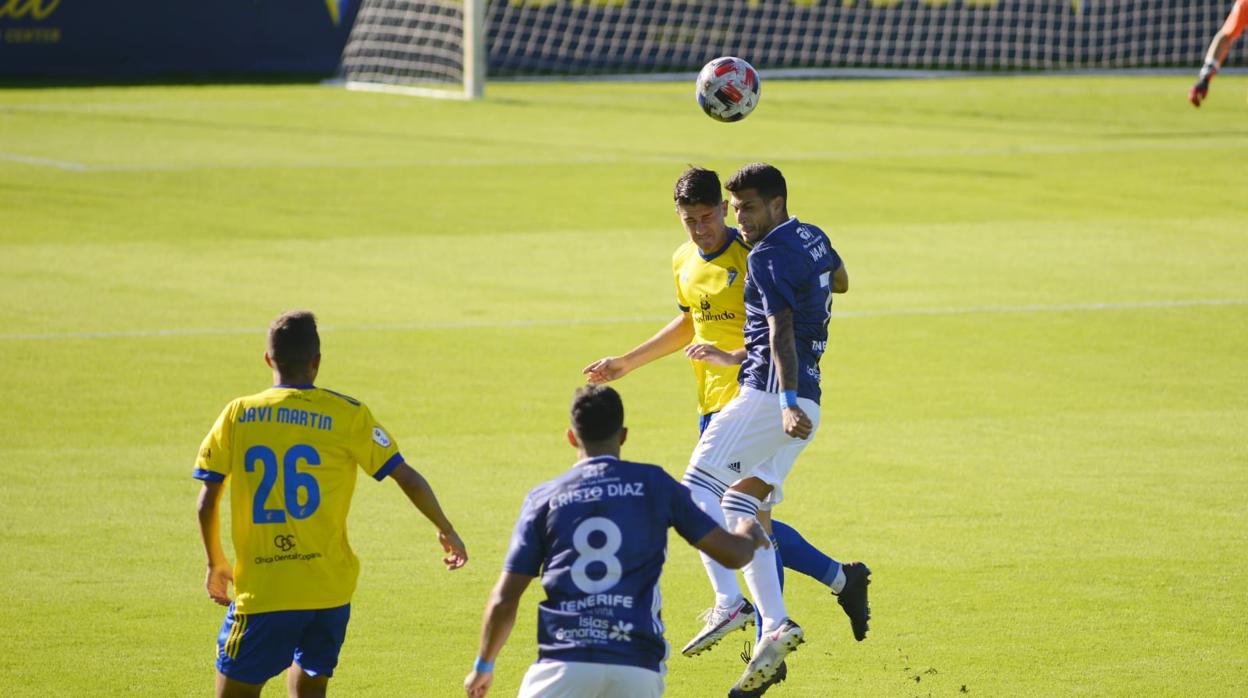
(728, 89)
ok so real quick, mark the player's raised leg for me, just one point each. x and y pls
(847, 581)
(733, 443)
(780, 634)
(731, 610)
(800, 556)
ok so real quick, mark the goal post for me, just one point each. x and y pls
(427, 48)
(446, 48)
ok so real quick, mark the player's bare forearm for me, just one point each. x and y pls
(734, 550)
(500, 618)
(209, 523)
(417, 489)
(674, 336)
(784, 353)
(714, 355)
(500, 613)
(220, 574)
(840, 280)
(784, 348)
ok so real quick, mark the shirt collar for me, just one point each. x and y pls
(594, 459)
(792, 219)
(732, 236)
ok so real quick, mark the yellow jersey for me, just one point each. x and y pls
(290, 454)
(711, 288)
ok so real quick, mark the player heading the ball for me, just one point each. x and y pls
(597, 536)
(290, 454)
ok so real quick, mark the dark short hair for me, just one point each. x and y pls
(597, 413)
(293, 341)
(698, 185)
(761, 177)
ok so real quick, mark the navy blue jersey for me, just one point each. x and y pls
(790, 268)
(597, 536)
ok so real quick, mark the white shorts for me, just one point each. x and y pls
(747, 439)
(586, 680)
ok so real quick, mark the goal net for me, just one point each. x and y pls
(398, 42)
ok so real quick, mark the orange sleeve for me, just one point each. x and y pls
(1237, 21)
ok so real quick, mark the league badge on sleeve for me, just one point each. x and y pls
(380, 437)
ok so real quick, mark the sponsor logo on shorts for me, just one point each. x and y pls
(735, 467)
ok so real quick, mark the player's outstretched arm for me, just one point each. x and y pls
(220, 572)
(418, 490)
(675, 335)
(734, 550)
(712, 354)
(500, 617)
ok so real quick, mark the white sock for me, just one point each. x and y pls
(706, 493)
(760, 574)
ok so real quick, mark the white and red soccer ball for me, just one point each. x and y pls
(728, 89)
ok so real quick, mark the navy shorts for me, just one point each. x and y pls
(255, 647)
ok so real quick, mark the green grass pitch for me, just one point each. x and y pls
(1036, 418)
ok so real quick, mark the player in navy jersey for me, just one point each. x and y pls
(747, 451)
(708, 271)
(597, 536)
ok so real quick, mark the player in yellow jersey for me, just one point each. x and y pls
(290, 454)
(709, 271)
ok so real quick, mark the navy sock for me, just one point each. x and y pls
(800, 556)
(779, 559)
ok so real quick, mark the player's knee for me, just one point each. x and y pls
(229, 688)
(304, 685)
(752, 486)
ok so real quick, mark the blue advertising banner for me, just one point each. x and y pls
(148, 38)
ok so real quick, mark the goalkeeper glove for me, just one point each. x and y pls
(1200, 90)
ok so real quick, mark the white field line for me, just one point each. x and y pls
(869, 74)
(573, 322)
(1228, 143)
(45, 162)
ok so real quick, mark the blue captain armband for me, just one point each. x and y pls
(207, 475)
